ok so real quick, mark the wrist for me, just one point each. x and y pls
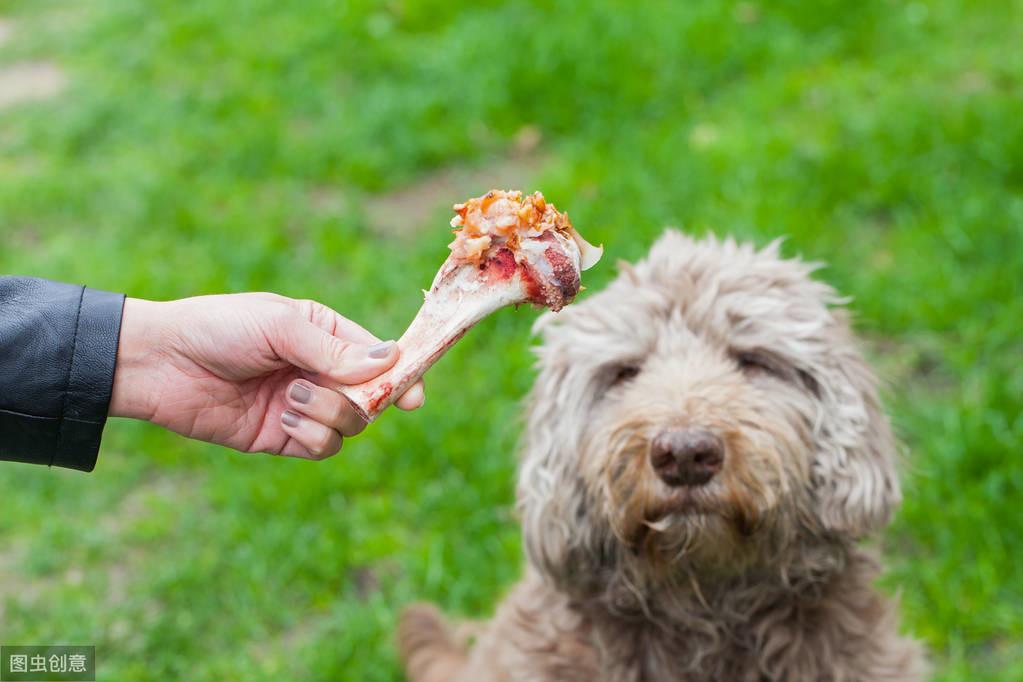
(135, 391)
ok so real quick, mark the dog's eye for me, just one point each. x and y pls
(756, 363)
(622, 373)
(751, 363)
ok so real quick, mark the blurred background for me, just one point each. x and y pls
(167, 148)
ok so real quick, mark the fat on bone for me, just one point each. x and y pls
(543, 269)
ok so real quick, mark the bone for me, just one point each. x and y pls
(542, 269)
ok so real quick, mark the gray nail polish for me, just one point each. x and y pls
(301, 393)
(290, 418)
(380, 350)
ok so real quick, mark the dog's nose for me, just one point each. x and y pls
(688, 457)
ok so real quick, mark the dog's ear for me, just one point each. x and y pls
(854, 476)
(561, 536)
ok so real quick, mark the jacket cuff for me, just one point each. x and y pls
(90, 379)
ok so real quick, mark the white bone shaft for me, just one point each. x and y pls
(446, 315)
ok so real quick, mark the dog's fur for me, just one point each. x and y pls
(757, 575)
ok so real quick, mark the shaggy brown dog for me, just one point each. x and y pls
(705, 449)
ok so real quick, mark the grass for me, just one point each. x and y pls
(232, 146)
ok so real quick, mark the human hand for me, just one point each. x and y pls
(254, 372)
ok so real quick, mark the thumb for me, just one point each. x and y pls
(313, 349)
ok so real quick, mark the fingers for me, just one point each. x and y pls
(315, 440)
(292, 448)
(318, 418)
(330, 345)
(361, 363)
(413, 398)
(333, 322)
(345, 362)
(325, 406)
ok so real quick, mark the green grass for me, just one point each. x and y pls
(230, 146)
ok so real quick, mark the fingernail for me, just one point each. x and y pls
(301, 393)
(380, 350)
(289, 418)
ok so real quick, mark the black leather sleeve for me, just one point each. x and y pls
(58, 348)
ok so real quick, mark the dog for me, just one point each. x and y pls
(705, 450)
